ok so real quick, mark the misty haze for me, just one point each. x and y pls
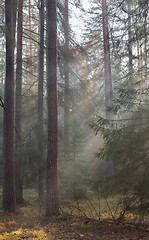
(74, 119)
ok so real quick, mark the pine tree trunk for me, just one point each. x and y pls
(31, 70)
(145, 46)
(66, 94)
(8, 121)
(130, 56)
(40, 105)
(107, 63)
(52, 206)
(18, 103)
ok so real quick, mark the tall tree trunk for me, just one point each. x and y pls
(29, 13)
(107, 63)
(18, 103)
(8, 121)
(145, 45)
(52, 206)
(141, 60)
(138, 52)
(31, 70)
(40, 104)
(130, 56)
(66, 74)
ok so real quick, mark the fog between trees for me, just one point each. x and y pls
(60, 87)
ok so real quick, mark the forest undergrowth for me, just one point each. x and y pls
(77, 220)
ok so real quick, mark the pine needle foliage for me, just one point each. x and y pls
(126, 143)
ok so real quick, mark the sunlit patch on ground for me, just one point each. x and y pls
(24, 234)
(79, 220)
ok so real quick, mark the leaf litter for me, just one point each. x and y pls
(27, 223)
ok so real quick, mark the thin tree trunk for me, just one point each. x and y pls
(141, 60)
(52, 206)
(29, 13)
(30, 46)
(66, 94)
(130, 56)
(145, 45)
(107, 63)
(30, 34)
(138, 53)
(18, 103)
(40, 104)
(8, 121)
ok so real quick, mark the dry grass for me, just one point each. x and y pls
(29, 222)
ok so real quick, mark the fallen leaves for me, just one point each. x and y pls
(27, 224)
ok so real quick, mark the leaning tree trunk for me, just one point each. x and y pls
(40, 105)
(107, 63)
(52, 206)
(18, 103)
(8, 121)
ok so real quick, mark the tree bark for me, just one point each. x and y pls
(18, 103)
(145, 45)
(40, 104)
(8, 121)
(52, 206)
(31, 69)
(130, 56)
(66, 75)
(107, 63)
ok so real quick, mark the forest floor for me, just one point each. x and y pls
(29, 222)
